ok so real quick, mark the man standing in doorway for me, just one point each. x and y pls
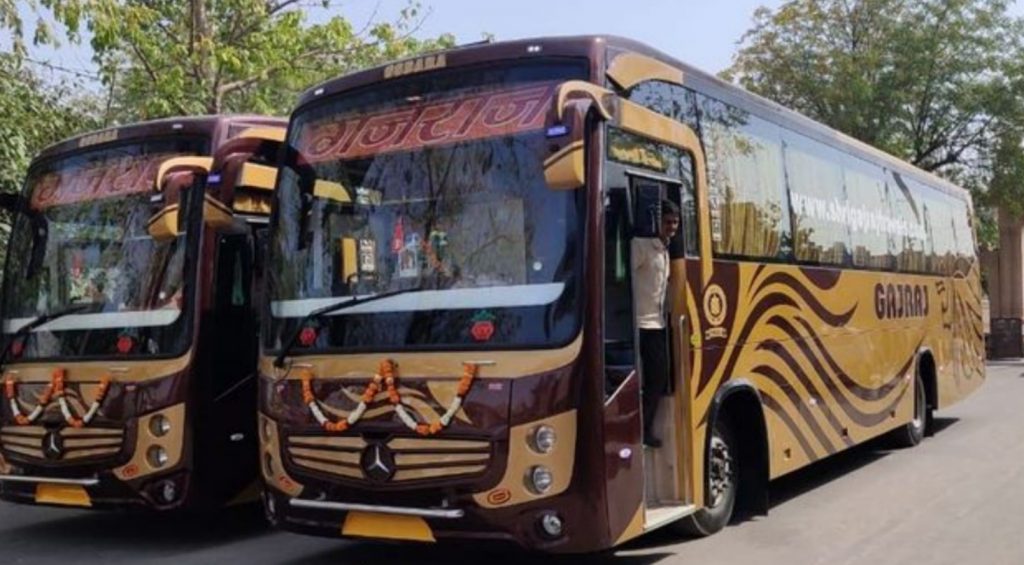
(650, 276)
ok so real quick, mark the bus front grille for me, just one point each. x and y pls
(62, 445)
(394, 461)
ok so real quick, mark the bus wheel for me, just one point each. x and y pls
(721, 486)
(912, 433)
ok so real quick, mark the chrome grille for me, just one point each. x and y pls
(415, 459)
(70, 444)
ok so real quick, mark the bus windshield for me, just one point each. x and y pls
(98, 254)
(436, 185)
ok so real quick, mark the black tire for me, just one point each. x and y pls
(913, 432)
(721, 483)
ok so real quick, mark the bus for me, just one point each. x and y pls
(450, 348)
(130, 336)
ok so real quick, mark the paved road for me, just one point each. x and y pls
(958, 498)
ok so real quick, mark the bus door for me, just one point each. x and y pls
(632, 220)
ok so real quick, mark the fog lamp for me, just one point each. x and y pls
(168, 491)
(541, 479)
(551, 525)
(156, 456)
(544, 439)
(159, 425)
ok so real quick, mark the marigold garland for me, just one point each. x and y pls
(387, 375)
(55, 389)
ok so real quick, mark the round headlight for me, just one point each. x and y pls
(541, 479)
(159, 425)
(544, 439)
(156, 456)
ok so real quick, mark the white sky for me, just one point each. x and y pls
(700, 32)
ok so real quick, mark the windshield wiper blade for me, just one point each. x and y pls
(36, 322)
(337, 307)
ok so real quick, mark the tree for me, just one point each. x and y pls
(168, 57)
(935, 82)
(35, 114)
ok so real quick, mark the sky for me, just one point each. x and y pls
(702, 33)
(699, 32)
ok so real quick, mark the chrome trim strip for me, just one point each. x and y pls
(396, 510)
(93, 481)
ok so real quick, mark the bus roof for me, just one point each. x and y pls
(596, 48)
(215, 126)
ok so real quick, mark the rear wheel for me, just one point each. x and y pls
(722, 483)
(912, 433)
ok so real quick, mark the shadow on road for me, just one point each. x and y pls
(147, 533)
(801, 482)
(448, 553)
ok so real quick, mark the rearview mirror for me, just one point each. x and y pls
(565, 168)
(164, 225)
(17, 204)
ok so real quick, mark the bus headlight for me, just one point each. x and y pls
(159, 425)
(544, 439)
(156, 456)
(540, 479)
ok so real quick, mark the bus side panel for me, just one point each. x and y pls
(968, 341)
(831, 351)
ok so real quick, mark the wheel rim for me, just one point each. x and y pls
(919, 406)
(722, 472)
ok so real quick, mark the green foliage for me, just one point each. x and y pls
(935, 82)
(164, 57)
(35, 114)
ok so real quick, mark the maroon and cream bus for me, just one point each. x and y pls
(449, 346)
(129, 331)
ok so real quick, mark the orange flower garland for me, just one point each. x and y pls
(55, 389)
(387, 375)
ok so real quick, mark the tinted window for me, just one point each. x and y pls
(820, 212)
(749, 214)
(940, 246)
(670, 100)
(908, 242)
(872, 224)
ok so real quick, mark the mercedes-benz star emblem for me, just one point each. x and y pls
(378, 463)
(53, 445)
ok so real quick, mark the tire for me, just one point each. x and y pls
(913, 432)
(721, 484)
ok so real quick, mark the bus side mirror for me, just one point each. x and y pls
(164, 225)
(17, 204)
(565, 168)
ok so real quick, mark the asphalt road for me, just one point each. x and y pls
(958, 498)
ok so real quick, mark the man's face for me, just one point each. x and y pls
(669, 226)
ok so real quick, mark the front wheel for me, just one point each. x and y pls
(722, 473)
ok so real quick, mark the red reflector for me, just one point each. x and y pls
(125, 344)
(307, 337)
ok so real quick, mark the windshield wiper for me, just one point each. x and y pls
(36, 322)
(320, 312)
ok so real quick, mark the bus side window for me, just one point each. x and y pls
(687, 201)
